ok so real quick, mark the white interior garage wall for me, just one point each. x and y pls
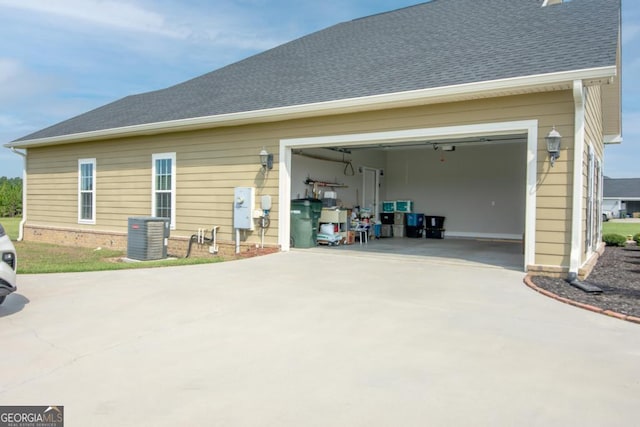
(304, 167)
(481, 190)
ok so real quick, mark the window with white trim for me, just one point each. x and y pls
(164, 187)
(590, 199)
(87, 191)
(594, 201)
(597, 232)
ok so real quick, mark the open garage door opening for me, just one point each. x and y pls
(460, 197)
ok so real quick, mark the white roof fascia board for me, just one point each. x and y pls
(393, 100)
(613, 139)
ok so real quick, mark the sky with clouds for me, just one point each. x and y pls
(62, 58)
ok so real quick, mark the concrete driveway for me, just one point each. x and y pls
(309, 339)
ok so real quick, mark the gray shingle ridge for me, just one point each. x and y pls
(392, 11)
(621, 187)
(428, 45)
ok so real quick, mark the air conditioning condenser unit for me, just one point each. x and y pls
(147, 238)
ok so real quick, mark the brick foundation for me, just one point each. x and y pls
(74, 237)
(562, 272)
(118, 241)
(588, 266)
(548, 270)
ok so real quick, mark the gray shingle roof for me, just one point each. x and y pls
(621, 187)
(435, 44)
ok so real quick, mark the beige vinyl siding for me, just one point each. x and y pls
(204, 182)
(593, 120)
(555, 188)
(210, 163)
(611, 101)
(547, 255)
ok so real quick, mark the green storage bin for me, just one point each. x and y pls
(388, 206)
(305, 220)
(405, 206)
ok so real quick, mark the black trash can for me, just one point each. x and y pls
(413, 231)
(433, 221)
(434, 227)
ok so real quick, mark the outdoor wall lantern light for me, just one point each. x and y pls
(553, 145)
(266, 160)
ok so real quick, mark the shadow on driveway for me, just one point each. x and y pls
(13, 304)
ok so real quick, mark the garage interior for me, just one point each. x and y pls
(478, 184)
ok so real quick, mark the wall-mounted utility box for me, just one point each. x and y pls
(244, 200)
(147, 238)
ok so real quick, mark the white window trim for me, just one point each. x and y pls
(163, 156)
(591, 200)
(600, 178)
(92, 220)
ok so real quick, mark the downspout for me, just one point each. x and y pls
(24, 192)
(578, 154)
(284, 194)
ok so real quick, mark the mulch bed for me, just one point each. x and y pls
(617, 273)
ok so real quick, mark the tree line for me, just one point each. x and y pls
(10, 196)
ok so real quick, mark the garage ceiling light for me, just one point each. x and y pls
(444, 147)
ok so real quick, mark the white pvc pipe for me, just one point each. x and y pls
(215, 239)
(24, 193)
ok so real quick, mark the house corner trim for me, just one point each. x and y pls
(578, 153)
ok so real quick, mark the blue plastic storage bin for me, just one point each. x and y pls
(415, 220)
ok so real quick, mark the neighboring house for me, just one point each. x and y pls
(621, 197)
(491, 78)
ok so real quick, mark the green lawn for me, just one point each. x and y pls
(623, 228)
(11, 226)
(36, 257)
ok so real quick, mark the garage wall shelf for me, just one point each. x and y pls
(324, 183)
(339, 217)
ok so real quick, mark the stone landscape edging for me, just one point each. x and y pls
(629, 318)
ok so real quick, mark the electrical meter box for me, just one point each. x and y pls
(244, 200)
